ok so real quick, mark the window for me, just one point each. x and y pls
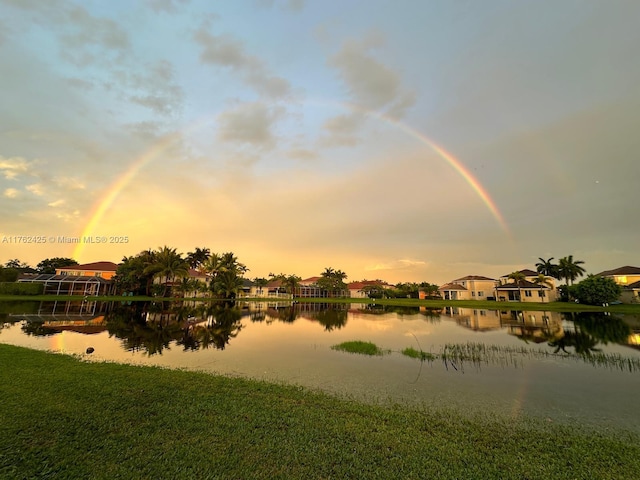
(98, 274)
(541, 293)
(527, 293)
(481, 294)
(473, 294)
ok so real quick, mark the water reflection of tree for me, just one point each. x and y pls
(152, 327)
(129, 325)
(37, 329)
(222, 324)
(331, 318)
(605, 328)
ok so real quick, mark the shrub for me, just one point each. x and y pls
(595, 290)
(15, 288)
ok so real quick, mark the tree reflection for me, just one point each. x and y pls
(605, 328)
(153, 327)
(331, 318)
(222, 324)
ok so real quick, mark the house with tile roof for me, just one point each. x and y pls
(623, 276)
(628, 278)
(89, 279)
(525, 291)
(360, 290)
(471, 287)
(106, 270)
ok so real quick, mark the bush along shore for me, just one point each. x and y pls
(62, 417)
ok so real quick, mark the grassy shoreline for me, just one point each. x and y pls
(64, 418)
(404, 302)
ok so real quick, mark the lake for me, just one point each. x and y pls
(560, 367)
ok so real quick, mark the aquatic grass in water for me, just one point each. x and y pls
(358, 346)
(419, 354)
(457, 354)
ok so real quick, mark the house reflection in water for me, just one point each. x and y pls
(72, 315)
(537, 327)
(474, 319)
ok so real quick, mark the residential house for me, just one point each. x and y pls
(471, 287)
(525, 291)
(629, 279)
(623, 276)
(106, 270)
(528, 289)
(360, 290)
(90, 279)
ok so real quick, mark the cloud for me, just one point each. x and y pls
(369, 81)
(155, 87)
(402, 264)
(36, 189)
(91, 33)
(290, 5)
(69, 183)
(226, 51)
(340, 131)
(11, 193)
(167, 6)
(301, 154)
(57, 203)
(248, 123)
(12, 167)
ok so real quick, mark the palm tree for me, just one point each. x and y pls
(517, 277)
(542, 281)
(569, 269)
(260, 283)
(168, 264)
(227, 284)
(198, 257)
(291, 282)
(547, 267)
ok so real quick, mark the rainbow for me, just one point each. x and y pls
(104, 203)
(456, 164)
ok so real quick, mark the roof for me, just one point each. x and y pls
(521, 284)
(95, 266)
(633, 286)
(626, 270)
(451, 286)
(474, 277)
(365, 283)
(309, 281)
(526, 272)
(196, 273)
(52, 277)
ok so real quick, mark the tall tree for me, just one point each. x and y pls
(518, 277)
(333, 281)
(547, 267)
(16, 263)
(225, 274)
(570, 269)
(168, 265)
(198, 257)
(542, 281)
(49, 265)
(260, 283)
(289, 282)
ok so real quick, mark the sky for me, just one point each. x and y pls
(405, 141)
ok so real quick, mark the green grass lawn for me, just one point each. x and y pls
(64, 418)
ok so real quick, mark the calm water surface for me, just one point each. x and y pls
(564, 368)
